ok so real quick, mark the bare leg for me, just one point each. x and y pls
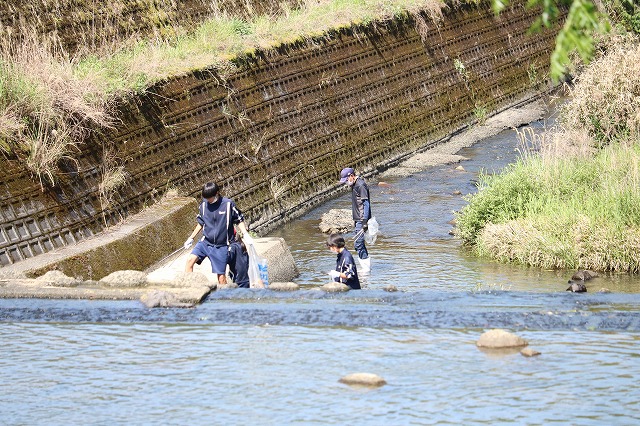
(191, 260)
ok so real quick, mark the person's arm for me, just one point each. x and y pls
(245, 233)
(187, 244)
(195, 232)
(367, 209)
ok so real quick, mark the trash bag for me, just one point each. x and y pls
(255, 274)
(372, 231)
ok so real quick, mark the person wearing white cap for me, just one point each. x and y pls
(361, 209)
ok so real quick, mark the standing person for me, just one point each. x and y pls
(238, 261)
(216, 219)
(346, 271)
(361, 209)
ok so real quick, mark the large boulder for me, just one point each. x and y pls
(336, 221)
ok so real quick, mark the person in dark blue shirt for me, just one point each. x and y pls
(345, 271)
(361, 211)
(216, 219)
(238, 261)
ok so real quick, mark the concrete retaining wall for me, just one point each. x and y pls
(276, 133)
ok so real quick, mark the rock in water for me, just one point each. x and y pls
(363, 379)
(498, 338)
(576, 287)
(162, 299)
(529, 352)
(284, 286)
(334, 287)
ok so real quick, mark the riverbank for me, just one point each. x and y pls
(571, 200)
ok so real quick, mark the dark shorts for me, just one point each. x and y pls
(217, 256)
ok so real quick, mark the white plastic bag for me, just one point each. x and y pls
(255, 277)
(372, 231)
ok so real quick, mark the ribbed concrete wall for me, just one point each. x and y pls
(277, 132)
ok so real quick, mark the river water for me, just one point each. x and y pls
(259, 357)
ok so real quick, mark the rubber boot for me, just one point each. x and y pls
(365, 265)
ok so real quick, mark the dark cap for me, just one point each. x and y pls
(345, 173)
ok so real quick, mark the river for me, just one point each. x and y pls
(260, 357)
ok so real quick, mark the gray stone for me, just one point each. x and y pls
(529, 352)
(124, 279)
(162, 299)
(336, 221)
(390, 288)
(363, 379)
(583, 275)
(498, 338)
(334, 287)
(58, 279)
(281, 286)
(577, 287)
(190, 279)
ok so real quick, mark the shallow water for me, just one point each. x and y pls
(247, 356)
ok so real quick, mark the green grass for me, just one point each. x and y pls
(568, 212)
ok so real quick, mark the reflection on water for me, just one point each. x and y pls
(261, 357)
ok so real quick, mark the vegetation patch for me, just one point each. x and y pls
(572, 200)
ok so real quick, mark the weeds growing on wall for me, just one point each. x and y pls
(49, 101)
(45, 108)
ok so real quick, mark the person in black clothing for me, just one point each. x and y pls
(345, 271)
(216, 219)
(361, 210)
(238, 260)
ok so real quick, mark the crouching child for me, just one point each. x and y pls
(345, 271)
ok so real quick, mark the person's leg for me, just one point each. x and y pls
(191, 261)
(218, 258)
(198, 253)
(358, 244)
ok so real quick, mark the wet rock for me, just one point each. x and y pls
(498, 338)
(336, 221)
(125, 279)
(334, 287)
(363, 379)
(384, 184)
(390, 288)
(58, 279)
(288, 286)
(577, 287)
(583, 275)
(604, 290)
(460, 168)
(457, 192)
(529, 352)
(162, 299)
